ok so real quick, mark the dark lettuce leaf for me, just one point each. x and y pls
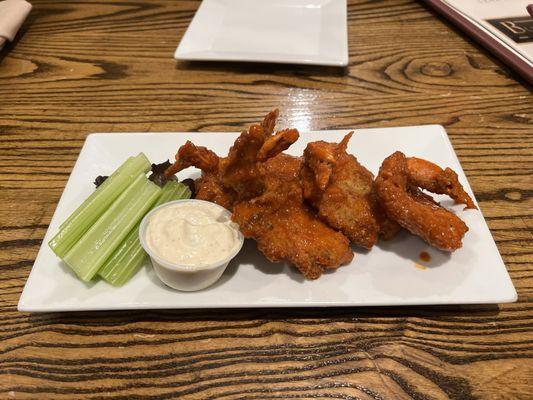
(190, 184)
(158, 174)
(99, 180)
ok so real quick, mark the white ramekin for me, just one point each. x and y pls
(185, 277)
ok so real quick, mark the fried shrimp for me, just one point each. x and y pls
(226, 180)
(270, 207)
(284, 227)
(397, 189)
(208, 187)
(342, 192)
(239, 170)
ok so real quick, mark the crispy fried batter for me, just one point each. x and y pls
(209, 188)
(341, 190)
(239, 170)
(417, 212)
(226, 179)
(284, 228)
(388, 228)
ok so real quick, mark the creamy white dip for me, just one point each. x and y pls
(192, 234)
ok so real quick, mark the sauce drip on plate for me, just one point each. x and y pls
(425, 256)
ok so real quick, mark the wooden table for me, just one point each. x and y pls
(80, 67)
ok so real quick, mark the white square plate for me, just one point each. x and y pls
(387, 275)
(280, 31)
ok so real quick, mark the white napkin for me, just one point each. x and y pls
(12, 15)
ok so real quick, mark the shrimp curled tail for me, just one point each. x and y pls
(190, 155)
(398, 194)
(431, 177)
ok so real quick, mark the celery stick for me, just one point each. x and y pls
(96, 204)
(125, 261)
(99, 242)
(173, 191)
(130, 256)
(136, 259)
(115, 183)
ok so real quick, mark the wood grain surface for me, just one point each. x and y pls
(86, 66)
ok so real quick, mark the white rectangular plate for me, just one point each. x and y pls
(280, 31)
(387, 275)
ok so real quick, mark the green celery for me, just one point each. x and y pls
(125, 261)
(173, 191)
(130, 256)
(115, 183)
(97, 203)
(98, 243)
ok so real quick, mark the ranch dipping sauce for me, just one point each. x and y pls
(190, 242)
(192, 234)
